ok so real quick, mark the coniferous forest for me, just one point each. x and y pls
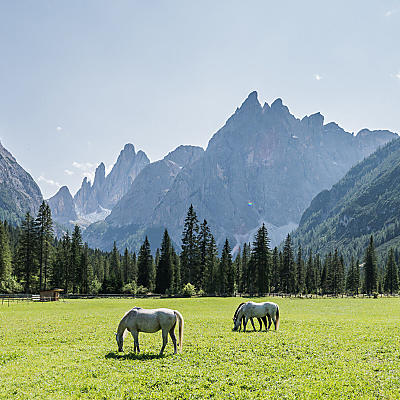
(33, 259)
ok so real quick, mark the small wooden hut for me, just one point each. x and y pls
(50, 295)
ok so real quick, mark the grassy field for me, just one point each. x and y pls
(325, 348)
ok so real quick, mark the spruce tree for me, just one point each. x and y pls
(5, 256)
(370, 268)
(276, 267)
(44, 236)
(176, 285)
(245, 268)
(227, 273)
(288, 272)
(391, 284)
(190, 255)
(85, 270)
(238, 271)
(204, 241)
(26, 258)
(310, 275)
(145, 266)
(165, 270)
(261, 256)
(115, 276)
(76, 250)
(126, 267)
(210, 279)
(300, 271)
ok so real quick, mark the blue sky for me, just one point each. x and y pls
(79, 79)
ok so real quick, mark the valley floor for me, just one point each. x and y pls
(325, 348)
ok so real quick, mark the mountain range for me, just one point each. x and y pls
(263, 166)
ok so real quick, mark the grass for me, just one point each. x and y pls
(325, 348)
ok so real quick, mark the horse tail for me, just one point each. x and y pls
(277, 318)
(181, 322)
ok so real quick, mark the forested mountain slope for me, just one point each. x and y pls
(365, 202)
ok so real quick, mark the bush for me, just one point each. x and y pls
(201, 292)
(129, 288)
(94, 286)
(189, 290)
(141, 290)
(10, 285)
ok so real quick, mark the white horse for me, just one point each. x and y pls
(256, 310)
(150, 321)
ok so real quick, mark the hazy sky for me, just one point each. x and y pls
(79, 79)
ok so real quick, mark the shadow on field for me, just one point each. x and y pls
(132, 356)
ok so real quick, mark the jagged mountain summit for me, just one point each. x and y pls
(19, 193)
(93, 202)
(63, 207)
(106, 191)
(138, 205)
(263, 166)
(366, 201)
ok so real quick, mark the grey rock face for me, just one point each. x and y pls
(106, 191)
(19, 193)
(264, 165)
(62, 206)
(151, 185)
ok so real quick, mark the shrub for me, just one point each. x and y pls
(189, 290)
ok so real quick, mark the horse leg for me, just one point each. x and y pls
(165, 340)
(260, 322)
(244, 323)
(269, 321)
(252, 323)
(264, 319)
(135, 335)
(173, 338)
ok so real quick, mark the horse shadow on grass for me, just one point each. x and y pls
(133, 356)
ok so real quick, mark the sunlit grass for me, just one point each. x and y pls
(325, 348)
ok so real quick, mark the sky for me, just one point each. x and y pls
(79, 79)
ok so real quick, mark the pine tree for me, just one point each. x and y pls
(190, 255)
(76, 250)
(310, 275)
(261, 256)
(5, 255)
(245, 268)
(237, 266)
(300, 271)
(226, 260)
(176, 285)
(165, 270)
(115, 276)
(66, 265)
(370, 268)
(145, 266)
(391, 277)
(276, 267)
(85, 270)
(44, 235)
(126, 267)
(211, 264)
(350, 277)
(27, 263)
(288, 273)
(204, 241)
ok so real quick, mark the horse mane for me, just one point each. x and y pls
(125, 317)
(237, 311)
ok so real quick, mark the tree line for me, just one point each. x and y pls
(33, 259)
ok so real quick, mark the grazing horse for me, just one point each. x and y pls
(150, 321)
(257, 310)
(260, 320)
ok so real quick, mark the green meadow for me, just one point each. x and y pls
(325, 348)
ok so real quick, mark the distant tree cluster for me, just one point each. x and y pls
(31, 259)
